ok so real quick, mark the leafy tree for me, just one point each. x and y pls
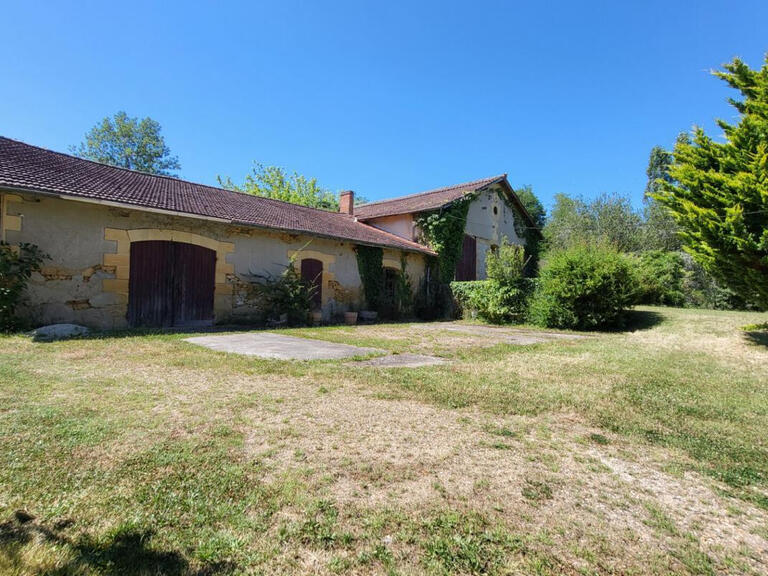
(533, 240)
(532, 204)
(274, 182)
(609, 218)
(661, 232)
(719, 190)
(128, 143)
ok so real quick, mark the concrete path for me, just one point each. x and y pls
(280, 347)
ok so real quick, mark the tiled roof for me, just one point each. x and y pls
(423, 201)
(29, 168)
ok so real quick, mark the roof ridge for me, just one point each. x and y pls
(486, 181)
(167, 177)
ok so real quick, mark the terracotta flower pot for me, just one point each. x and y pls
(350, 318)
(317, 317)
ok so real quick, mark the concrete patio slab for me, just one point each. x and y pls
(400, 361)
(280, 346)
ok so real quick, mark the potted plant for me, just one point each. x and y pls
(317, 317)
(346, 297)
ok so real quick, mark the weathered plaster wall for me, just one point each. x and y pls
(86, 279)
(399, 225)
(489, 220)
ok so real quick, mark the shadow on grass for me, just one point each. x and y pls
(757, 337)
(641, 320)
(127, 551)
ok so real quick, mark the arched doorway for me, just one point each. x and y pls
(312, 274)
(171, 284)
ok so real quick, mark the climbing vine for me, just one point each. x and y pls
(371, 268)
(444, 232)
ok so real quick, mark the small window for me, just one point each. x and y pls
(495, 210)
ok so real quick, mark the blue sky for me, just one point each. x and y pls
(385, 98)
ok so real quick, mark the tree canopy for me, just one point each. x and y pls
(608, 219)
(127, 142)
(276, 183)
(532, 204)
(661, 231)
(718, 193)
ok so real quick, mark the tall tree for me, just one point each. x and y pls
(719, 190)
(608, 219)
(532, 204)
(128, 143)
(660, 232)
(274, 182)
(533, 238)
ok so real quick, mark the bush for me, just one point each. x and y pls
(17, 263)
(503, 297)
(286, 294)
(491, 301)
(661, 278)
(584, 287)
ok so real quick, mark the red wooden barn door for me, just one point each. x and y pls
(466, 268)
(171, 284)
(312, 274)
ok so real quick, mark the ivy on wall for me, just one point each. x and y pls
(532, 237)
(443, 230)
(371, 268)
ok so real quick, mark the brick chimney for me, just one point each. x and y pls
(347, 202)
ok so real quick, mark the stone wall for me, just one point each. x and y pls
(85, 281)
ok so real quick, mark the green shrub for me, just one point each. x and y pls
(503, 297)
(17, 263)
(661, 278)
(584, 287)
(286, 294)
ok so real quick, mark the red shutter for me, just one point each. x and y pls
(466, 268)
(312, 274)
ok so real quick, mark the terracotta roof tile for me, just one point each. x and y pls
(29, 168)
(423, 201)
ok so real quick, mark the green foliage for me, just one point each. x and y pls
(719, 191)
(533, 237)
(608, 219)
(286, 294)
(443, 230)
(660, 230)
(467, 543)
(274, 182)
(371, 269)
(128, 143)
(532, 204)
(503, 297)
(433, 299)
(661, 278)
(403, 304)
(17, 263)
(584, 287)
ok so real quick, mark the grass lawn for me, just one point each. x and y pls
(638, 452)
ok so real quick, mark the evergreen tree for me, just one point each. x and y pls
(719, 190)
(660, 229)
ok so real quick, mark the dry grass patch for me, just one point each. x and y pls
(638, 452)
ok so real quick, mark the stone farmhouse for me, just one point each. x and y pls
(128, 248)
